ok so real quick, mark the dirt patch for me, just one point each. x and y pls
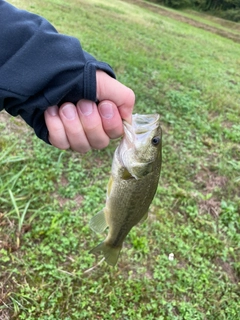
(4, 314)
(10, 124)
(228, 269)
(210, 183)
(78, 201)
(177, 16)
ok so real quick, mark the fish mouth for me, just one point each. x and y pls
(138, 136)
(145, 119)
(141, 124)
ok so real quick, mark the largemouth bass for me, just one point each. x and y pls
(134, 178)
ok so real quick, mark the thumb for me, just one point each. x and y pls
(109, 88)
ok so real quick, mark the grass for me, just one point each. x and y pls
(214, 21)
(47, 196)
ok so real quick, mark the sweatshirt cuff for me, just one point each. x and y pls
(90, 82)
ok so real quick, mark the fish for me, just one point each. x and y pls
(135, 173)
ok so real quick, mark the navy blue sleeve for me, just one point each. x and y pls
(40, 67)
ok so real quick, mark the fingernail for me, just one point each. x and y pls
(106, 110)
(69, 111)
(85, 107)
(52, 111)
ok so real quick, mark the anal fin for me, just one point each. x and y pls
(98, 222)
(144, 218)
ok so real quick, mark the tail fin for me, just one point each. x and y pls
(111, 254)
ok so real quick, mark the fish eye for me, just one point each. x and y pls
(155, 141)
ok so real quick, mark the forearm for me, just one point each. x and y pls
(40, 67)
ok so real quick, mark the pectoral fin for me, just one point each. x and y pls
(126, 175)
(98, 223)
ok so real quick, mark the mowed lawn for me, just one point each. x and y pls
(191, 77)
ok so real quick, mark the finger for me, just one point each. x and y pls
(92, 124)
(109, 88)
(111, 119)
(73, 128)
(57, 135)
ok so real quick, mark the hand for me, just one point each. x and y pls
(86, 125)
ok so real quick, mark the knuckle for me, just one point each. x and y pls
(115, 131)
(130, 96)
(58, 144)
(81, 147)
(82, 150)
(115, 134)
(101, 144)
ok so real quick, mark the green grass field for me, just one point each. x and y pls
(191, 78)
